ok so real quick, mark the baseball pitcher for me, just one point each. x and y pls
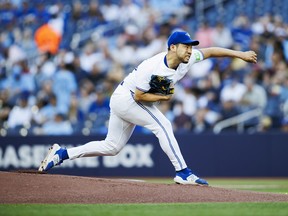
(132, 103)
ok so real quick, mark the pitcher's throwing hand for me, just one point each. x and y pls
(249, 56)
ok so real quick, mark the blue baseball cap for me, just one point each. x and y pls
(181, 37)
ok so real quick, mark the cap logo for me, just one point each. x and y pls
(187, 34)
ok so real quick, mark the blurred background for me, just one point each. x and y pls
(61, 60)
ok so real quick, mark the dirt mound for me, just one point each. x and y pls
(35, 188)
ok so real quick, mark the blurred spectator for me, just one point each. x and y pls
(21, 114)
(228, 109)
(284, 125)
(48, 111)
(152, 45)
(15, 54)
(86, 95)
(64, 85)
(204, 34)
(20, 79)
(46, 68)
(199, 124)
(274, 53)
(95, 14)
(129, 12)
(200, 71)
(125, 48)
(99, 111)
(241, 32)
(57, 126)
(110, 10)
(181, 121)
(273, 108)
(221, 36)
(45, 91)
(76, 116)
(262, 25)
(254, 97)
(26, 13)
(8, 13)
(230, 97)
(208, 109)
(27, 43)
(89, 58)
(101, 102)
(48, 36)
(102, 63)
(42, 14)
(233, 91)
(168, 9)
(279, 27)
(188, 96)
(265, 124)
(109, 84)
(77, 11)
(5, 106)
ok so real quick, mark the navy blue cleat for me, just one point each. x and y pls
(53, 158)
(186, 176)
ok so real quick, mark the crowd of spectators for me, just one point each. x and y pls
(66, 91)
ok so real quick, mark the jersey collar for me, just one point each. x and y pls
(165, 61)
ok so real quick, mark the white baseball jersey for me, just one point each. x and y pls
(140, 77)
(126, 113)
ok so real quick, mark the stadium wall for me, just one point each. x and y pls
(224, 155)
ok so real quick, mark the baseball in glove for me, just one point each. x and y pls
(161, 85)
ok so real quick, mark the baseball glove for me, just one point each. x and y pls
(161, 85)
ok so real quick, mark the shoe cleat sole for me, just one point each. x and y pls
(48, 157)
(180, 181)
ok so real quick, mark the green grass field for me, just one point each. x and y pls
(254, 184)
(263, 185)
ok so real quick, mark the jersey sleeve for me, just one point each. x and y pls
(143, 76)
(196, 56)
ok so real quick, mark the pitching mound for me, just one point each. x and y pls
(34, 188)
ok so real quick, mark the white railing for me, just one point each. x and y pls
(237, 120)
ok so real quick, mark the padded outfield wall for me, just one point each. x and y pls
(224, 155)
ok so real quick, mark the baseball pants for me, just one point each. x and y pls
(125, 114)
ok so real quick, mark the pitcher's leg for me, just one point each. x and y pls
(154, 120)
(151, 118)
(119, 132)
(162, 128)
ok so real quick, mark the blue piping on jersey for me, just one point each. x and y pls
(170, 144)
(165, 61)
(143, 90)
